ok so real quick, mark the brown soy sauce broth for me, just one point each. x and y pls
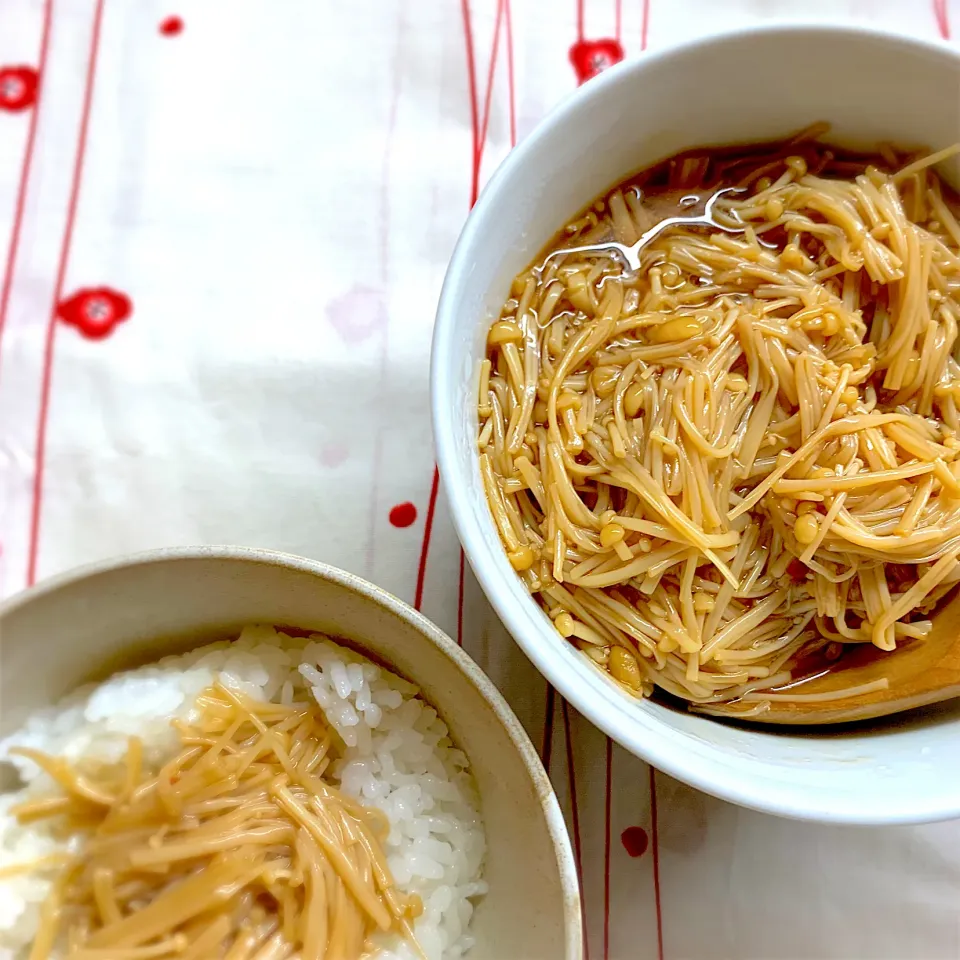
(812, 663)
(679, 186)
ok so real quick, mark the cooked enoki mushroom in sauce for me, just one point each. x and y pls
(237, 848)
(742, 455)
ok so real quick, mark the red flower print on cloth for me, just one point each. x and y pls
(403, 514)
(95, 312)
(635, 841)
(357, 314)
(333, 454)
(171, 26)
(590, 57)
(18, 88)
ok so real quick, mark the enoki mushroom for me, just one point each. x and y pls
(746, 451)
(237, 848)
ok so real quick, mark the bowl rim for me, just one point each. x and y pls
(698, 771)
(543, 788)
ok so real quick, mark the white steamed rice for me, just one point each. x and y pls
(396, 755)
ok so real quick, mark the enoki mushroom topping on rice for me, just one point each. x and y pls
(237, 848)
(744, 452)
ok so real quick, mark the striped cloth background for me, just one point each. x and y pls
(223, 228)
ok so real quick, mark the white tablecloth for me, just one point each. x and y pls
(254, 202)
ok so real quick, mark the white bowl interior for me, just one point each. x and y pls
(751, 86)
(78, 627)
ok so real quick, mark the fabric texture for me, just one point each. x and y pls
(223, 229)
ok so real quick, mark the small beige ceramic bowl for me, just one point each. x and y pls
(80, 625)
(741, 87)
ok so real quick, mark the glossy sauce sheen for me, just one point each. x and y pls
(685, 193)
(681, 185)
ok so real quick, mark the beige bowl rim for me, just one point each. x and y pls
(549, 805)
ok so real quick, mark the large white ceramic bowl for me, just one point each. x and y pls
(754, 85)
(74, 627)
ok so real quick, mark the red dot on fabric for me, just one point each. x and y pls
(18, 88)
(403, 514)
(590, 57)
(95, 311)
(635, 841)
(171, 26)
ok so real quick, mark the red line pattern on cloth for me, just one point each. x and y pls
(425, 547)
(655, 846)
(41, 442)
(608, 792)
(575, 817)
(549, 709)
(460, 584)
(504, 16)
(511, 85)
(384, 283)
(472, 85)
(474, 179)
(25, 169)
(479, 130)
(654, 838)
(512, 117)
(488, 96)
(942, 16)
(434, 487)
